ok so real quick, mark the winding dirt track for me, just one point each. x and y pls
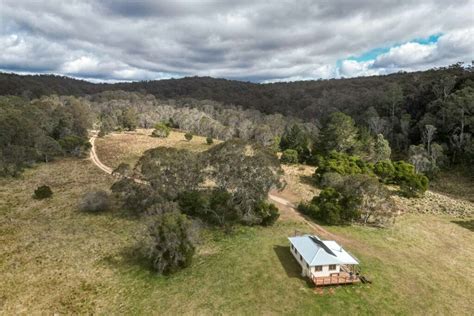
(282, 203)
(95, 158)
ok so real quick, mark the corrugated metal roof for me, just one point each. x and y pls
(316, 252)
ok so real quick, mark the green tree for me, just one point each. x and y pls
(333, 207)
(161, 130)
(170, 245)
(297, 139)
(129, 119)
(339, 134)
(382, 150)
(268, 213)
(289, 156)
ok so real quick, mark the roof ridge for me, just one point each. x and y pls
(315, 255)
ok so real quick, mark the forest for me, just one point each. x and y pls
(426, 115)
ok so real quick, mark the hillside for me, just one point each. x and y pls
(306, 99)
(86, 262)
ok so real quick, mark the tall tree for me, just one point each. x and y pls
(339, 134)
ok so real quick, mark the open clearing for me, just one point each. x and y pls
(55, 259)
(128, 147)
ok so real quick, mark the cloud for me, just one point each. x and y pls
(249, 40)
(448, 49)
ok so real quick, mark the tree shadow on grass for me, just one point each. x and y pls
(308, 180)
(292, 268)
(129, 257)
(466, 224)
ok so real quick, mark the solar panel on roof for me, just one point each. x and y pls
(322, 245)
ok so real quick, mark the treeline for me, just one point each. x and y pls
(41, 130)
(399, 106)
(129, 110)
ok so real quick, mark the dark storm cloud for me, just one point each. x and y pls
(257, 40)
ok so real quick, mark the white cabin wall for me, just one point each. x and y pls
(325, 271)
(304, 270)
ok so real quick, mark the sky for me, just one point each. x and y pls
(250, 40)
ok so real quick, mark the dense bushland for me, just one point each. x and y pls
(41, 130)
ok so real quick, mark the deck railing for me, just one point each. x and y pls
(340, 278)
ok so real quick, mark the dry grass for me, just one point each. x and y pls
(128, 147)
(51, 253)
(55, 259)
(455, 183)
(298, 183)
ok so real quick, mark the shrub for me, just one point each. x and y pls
(170, 243)
(386, 171)
(214, 207)
(134, 196)
(74, 145)
(309, 209)
(268, 213)
(342, 164)
(331, 179)
(209, 140)
(289, 156)
(161, 130)
(188, 136)
(95, 201)
(411, 183)
(193, 203)
(43, 192)
(102, 133)
(333, 207)
(123, 170)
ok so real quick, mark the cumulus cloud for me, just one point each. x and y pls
(248, 40)
(448, 49)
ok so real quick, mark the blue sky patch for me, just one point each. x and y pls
(373, 53)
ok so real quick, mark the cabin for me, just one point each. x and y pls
(325, 262)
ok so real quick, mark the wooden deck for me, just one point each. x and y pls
(335, 279)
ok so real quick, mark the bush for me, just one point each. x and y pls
(95, 201)
(43, 192)
(170, 243)
(188, 136)
(135, 197)
(309, 209)
(289, 156)
(342, 164)
(411, 183)
(161, 130)
(123, 170)
(209, 140)
(386, 171)
(268, 212)
(331, 179)
(193, 203)
(102, 133)
(74, 145)
(332, 207)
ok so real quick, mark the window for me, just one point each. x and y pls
(332, 267)
(292, 246)
(318, 268)
(307, 266)
(301, 258)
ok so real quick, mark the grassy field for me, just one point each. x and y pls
(129, 146)
(55, 259)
